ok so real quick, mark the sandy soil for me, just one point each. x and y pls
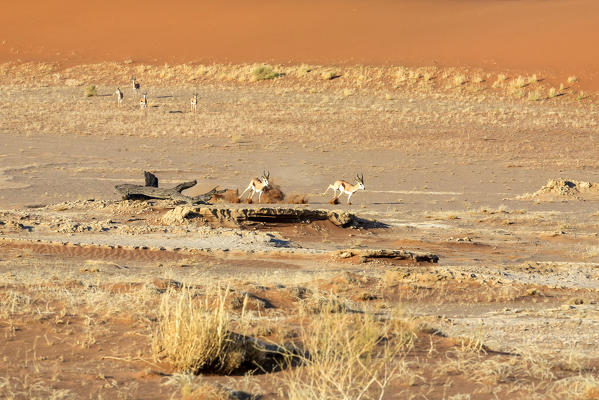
(461, 168)
(552, 38)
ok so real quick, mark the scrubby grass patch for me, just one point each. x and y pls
(348, 356)
(265, 72)
(195, 335)
(91, 91)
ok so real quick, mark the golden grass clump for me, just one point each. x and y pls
(348, 356)
(520, 82)
(196, 335)
(534, 96)
(265, 72)
(459, 80)
(91, 91)
(329, 75)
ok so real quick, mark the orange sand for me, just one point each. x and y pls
(556, 37)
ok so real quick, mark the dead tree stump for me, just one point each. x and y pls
(151, 191)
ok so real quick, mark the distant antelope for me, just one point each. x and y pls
(119, 96)
(346, 187)
(257, 185)
(194, 102)
(135, 85)
(143, 102)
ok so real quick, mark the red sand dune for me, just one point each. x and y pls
(559, 37)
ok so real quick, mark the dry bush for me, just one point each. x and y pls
(91, 90)
(348, 356)
(196, 335)
(329, 75)
(579, 387)
(459, 80)
(265, 72)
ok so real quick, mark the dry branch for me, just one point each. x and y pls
(152, 191)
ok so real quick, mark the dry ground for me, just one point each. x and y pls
(452, 159)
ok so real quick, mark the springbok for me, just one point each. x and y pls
(194, 102)
(346, 187)
(143, 102)
(257, 185)
(136, 85)
(119, 96)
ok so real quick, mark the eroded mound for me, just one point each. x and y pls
(565, 188)
(244, 216)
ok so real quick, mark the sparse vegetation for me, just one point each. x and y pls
(534, 96)
(265, 72)
(520, 82)
(138, 315)
(459, 80)
(91, 91)
(349, 356)
(197, 335)
(330, 75)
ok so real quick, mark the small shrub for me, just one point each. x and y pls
(459, 80)
(552, 93)
(265, 72)
(533, 79)
(520, 82)
(330, 75)
(534, 96)
(518, 93)
(572, 79)
(196, 335)
(348, 356)
(91, 90)
(581, 96)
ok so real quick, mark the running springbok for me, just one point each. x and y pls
(194, 102)
(143, 102)
(119, 96)
(257, 185)
(136, 86)
(346, 187)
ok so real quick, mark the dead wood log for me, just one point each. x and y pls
(152, 191)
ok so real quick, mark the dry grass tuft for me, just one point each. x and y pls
(330, 75)
(91, 91)
(348, 356)
(459, 80)
(196, 335)
(265, 72)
